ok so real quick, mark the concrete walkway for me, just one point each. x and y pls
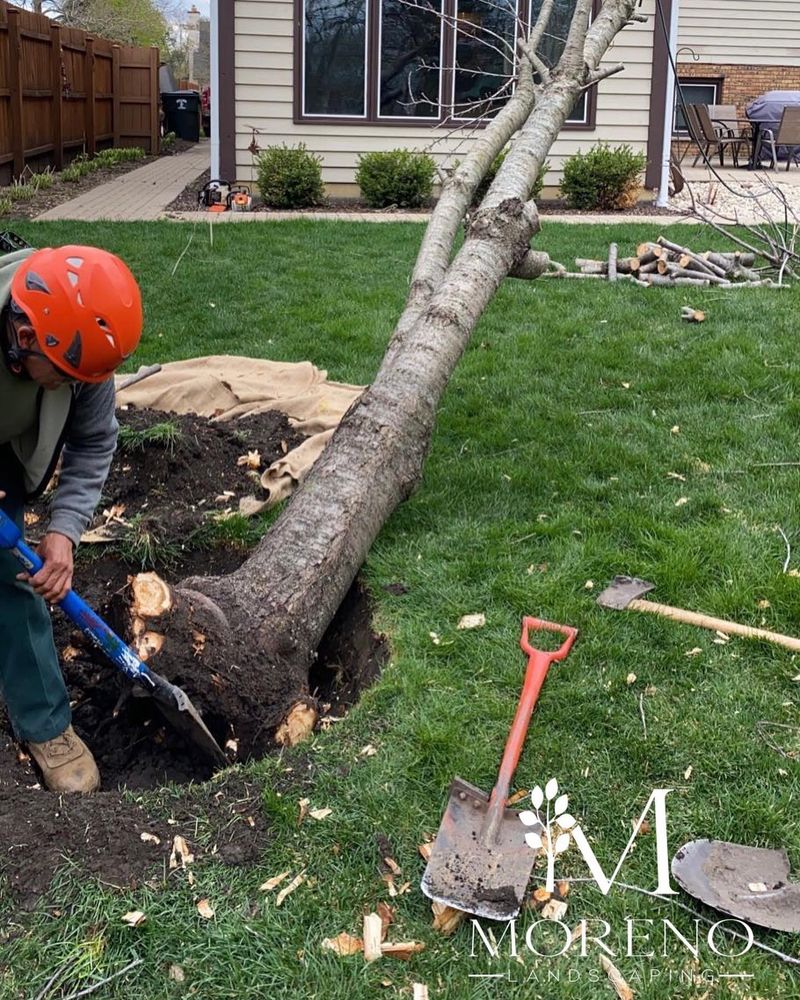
(141, 194)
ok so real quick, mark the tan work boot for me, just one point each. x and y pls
(66, 763)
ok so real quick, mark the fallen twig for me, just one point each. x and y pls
(788, 558)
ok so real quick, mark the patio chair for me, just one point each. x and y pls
(713, 138)
(788, 134)
(726, 117)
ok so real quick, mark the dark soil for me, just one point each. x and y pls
(169, 487)
(136, 750)
(187, 202)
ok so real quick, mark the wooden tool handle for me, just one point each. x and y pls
(715, 624)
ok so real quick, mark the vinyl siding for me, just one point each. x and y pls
(264, 101)
(741, 32)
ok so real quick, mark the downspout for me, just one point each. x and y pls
(669, 99)
(215, 89)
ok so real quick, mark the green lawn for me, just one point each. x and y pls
(579, 417)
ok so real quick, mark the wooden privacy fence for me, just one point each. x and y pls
(62, 90)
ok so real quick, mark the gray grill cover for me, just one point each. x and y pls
(767, 110)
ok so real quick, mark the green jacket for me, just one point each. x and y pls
(76, 421)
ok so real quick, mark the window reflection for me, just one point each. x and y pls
(335, 55)
(486, 31)
(411, 32)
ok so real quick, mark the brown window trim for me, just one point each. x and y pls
(371, 119)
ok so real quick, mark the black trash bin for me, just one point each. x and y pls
(182, 114)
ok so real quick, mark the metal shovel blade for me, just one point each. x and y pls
(177, 708)
(488, 880)
(750, 883)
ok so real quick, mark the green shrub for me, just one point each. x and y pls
(604, 178)
(491, 173)
(21, 191)
(400, 177)
(120, 154)
(289, 177)
(168, 142)
(72, 173)
(42, 181)
(5, 205)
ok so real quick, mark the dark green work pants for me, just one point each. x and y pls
(31, 683)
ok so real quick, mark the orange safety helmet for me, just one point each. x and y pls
(84, 306)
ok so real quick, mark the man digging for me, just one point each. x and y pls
(68, 318)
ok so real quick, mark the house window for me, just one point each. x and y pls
(694, 91)
(335, 57)
(410, 59)
(434, 61)
(486, 32)
(552, 46)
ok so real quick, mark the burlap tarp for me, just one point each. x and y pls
(225, 387)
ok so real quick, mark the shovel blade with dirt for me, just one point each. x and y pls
(480, 861)
(173, 702)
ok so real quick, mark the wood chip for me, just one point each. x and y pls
(624, 992)
(471, 621)
(554, 909)
(393, 866)
(523, 793)
(630, 679)
(420, 991)
(69, 653)
(368, 751)
(296, 882)
(274, 882)
(446, 919)
(252, 460)
(344, 944)
(373, 931)
(539, 897)
(757, 887)
(205, 909)
(303, 804)
(320, 813)
(297, 726)
(135, 918)
(149, 838)
(688, 773)
(426, 849)
(176, 973)
(402, 949)
(180, 855)
(388, 916)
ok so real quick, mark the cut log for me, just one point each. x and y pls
(692, 315)
(663, 266)
(151, 596)
(691, 263)
(650, 267)
(682, 272)
(613, 249)
(373, 935)
(589, 266)
(647, 257)
(645, 249)
(401, 949)
(669, 279)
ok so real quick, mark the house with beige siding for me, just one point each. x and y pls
(731, 51)
(346, 77)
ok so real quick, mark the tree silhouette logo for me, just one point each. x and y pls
(553, 835)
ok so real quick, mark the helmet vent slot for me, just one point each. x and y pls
(73, 278)
(75, 262)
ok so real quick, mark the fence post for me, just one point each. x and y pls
(58, 95)
(90, 87)
(154, 102)
(115, 88)
(15, 87)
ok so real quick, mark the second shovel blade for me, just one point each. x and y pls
(487, 880)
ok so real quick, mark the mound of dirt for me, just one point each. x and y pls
(172, 473)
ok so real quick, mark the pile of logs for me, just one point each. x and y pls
(667, 263)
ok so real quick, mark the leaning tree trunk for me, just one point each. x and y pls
(260, 625)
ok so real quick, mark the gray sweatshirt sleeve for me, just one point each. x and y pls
(88, 449)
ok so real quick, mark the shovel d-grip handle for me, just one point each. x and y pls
(77, 610)
(539, 661)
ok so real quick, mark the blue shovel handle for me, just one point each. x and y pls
(77, 610)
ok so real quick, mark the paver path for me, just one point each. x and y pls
(141, 194)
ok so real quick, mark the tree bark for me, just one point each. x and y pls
(277, 605)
